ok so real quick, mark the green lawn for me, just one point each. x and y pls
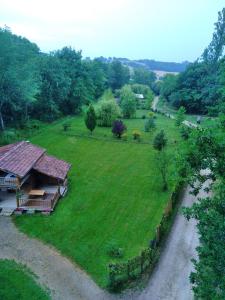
(17, 283)
(114, 193)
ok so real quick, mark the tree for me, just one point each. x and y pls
(18, 80)
(162, 157)
(168, 85)
(215, 49)
(107, 111)
(146, 92)
(150, 124)
(119, 75)
(118, 128)
(208, 277)
(127, 102)
(180, 116)
(90, 118)
(160, 141)
(143, 76)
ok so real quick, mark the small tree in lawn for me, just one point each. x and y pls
(162, 158)
(118, 128)
(180, 116)
(160, 141)
(90, 118)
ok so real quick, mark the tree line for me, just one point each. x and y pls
(36, 85)
(201, 87)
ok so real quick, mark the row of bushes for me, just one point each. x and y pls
(122, 273)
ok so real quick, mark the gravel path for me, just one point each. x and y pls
(155, 102)
(170, 279)
(64, 280)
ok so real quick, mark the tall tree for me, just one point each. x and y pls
(90, 118)
(127, 102)
(215, 50)
(144, 76)
(119, 75)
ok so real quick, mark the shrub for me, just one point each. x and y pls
(128, 102)
(118, 128)
(151, 115)
(113, 249)
(185, 132)
(143, 117)
(150, 125)
(107, 112)
(180, 116)
(66, 126)
(160, 141)
(8, 136)
(90, 118)
(136, 135)
(124, 137)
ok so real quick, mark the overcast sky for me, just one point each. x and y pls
(167, 30)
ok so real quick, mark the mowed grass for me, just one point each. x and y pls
(17, 283)
(115, 193)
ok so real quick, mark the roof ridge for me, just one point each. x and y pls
(11, 149)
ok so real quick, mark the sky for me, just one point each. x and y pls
(166, 30)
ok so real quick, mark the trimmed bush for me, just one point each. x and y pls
(136, 135)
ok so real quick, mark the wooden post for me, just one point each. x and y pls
(158, 234)
(17, 197)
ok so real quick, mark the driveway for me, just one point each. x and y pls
(64, 279)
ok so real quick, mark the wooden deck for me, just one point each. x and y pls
(47, 202)
(35, 202)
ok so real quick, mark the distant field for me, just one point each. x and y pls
(160, 74)
(16, 283)
(114, 193)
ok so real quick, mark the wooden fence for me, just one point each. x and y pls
(124, 272)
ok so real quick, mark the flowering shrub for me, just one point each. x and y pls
(136, 135)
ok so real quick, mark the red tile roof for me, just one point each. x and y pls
(20, 158)
(51, 166)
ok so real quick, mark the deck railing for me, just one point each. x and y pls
(39, 203)
(8, 182)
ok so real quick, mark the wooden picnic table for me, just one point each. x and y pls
(36, 193)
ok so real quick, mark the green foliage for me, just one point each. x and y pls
(113, 249)
(17, 282)
(146, 92)
(119, 75)
(66, 126)
(160, 141)
(185, 132)
(107, 111)
(127, 102)
(208, 278)
(201, 86)
(180, 117)
(90, 118)
(168, 85)
(143, 76)
(150, 125)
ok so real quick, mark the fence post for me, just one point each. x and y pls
(157, 235)
(142, 261)
(111, 275)
(128, 269)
